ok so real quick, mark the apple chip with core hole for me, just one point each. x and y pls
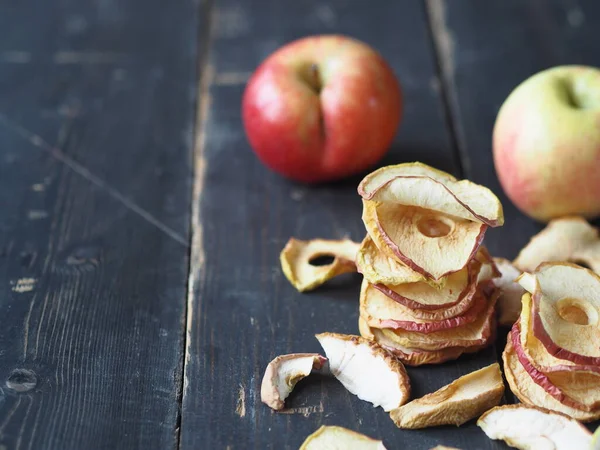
(411, 356)
(376, 267)
(560, 371)
(566, 239)
(429, 242)
(356, 362)
(417, 184)
(283, 373)
(475, 333)
(339, 438)
(509, 302)
(531, 428)
(531, 393)
(376, 306)
(454, 404)
(382, 312)
(566, 310)
(298, 257)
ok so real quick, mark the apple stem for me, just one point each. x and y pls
(316, 78)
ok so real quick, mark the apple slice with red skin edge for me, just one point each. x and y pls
(475, 333)
(297, 256)
(339, 438)
(422, 296)
(533, 428)
(509, 302)
(356, 362)
(460, 401)
(376, 298)
(530, 393)
(282, 374)
(416, 184)
(377, 267)
(570, 239)
(429, 242)
(564, 294)
(560, 371)
(570, 395)
(414, 357)
(322, 108)
(382, 312)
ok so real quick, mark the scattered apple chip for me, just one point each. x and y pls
(283, 373)
(416, 184)
(297, 261)
(475, 333)
(382, 312)
(532, 428)
(454, 404)
(531, 393)
(566, 310)
(411, 356)
(339, 438)
(377, 305)
(356, 362)
(565, 239)
(429, 242)
(443, 447)
(509, 302)
(378, 268)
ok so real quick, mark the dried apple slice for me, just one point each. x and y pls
(560, 371)
(454, 404)
(533, 428)
(422, 295)
(443, 447)
(509, 302)
(339, 438)
(526, 390)
(378, 268)
(283, 373)
(566, 310)
(382, 312)
(429, 242)
(411, 356)
(577, 393)
(472, 334)
(297, 257)
(416, 184)
(379, 306)
(356, 362)
(565, 239)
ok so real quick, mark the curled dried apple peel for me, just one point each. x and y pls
(297, 261)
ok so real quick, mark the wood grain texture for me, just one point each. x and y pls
(242, 312)
(489, 49)
(96, 123)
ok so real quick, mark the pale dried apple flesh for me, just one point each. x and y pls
(297, 261)
(339, 438)
(454, 404)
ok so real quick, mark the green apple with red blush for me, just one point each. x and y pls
(546, 143)
(322, 108)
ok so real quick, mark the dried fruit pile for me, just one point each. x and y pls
(552, 356)
(427, 294)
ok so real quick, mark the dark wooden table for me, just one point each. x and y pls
(141, 295)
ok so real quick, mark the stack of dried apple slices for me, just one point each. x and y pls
(552, 355)
(427, 294)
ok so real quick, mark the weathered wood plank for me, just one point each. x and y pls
(96, 122)
(242, 311)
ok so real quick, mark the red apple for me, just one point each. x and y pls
(322, 108)
(547, 143)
